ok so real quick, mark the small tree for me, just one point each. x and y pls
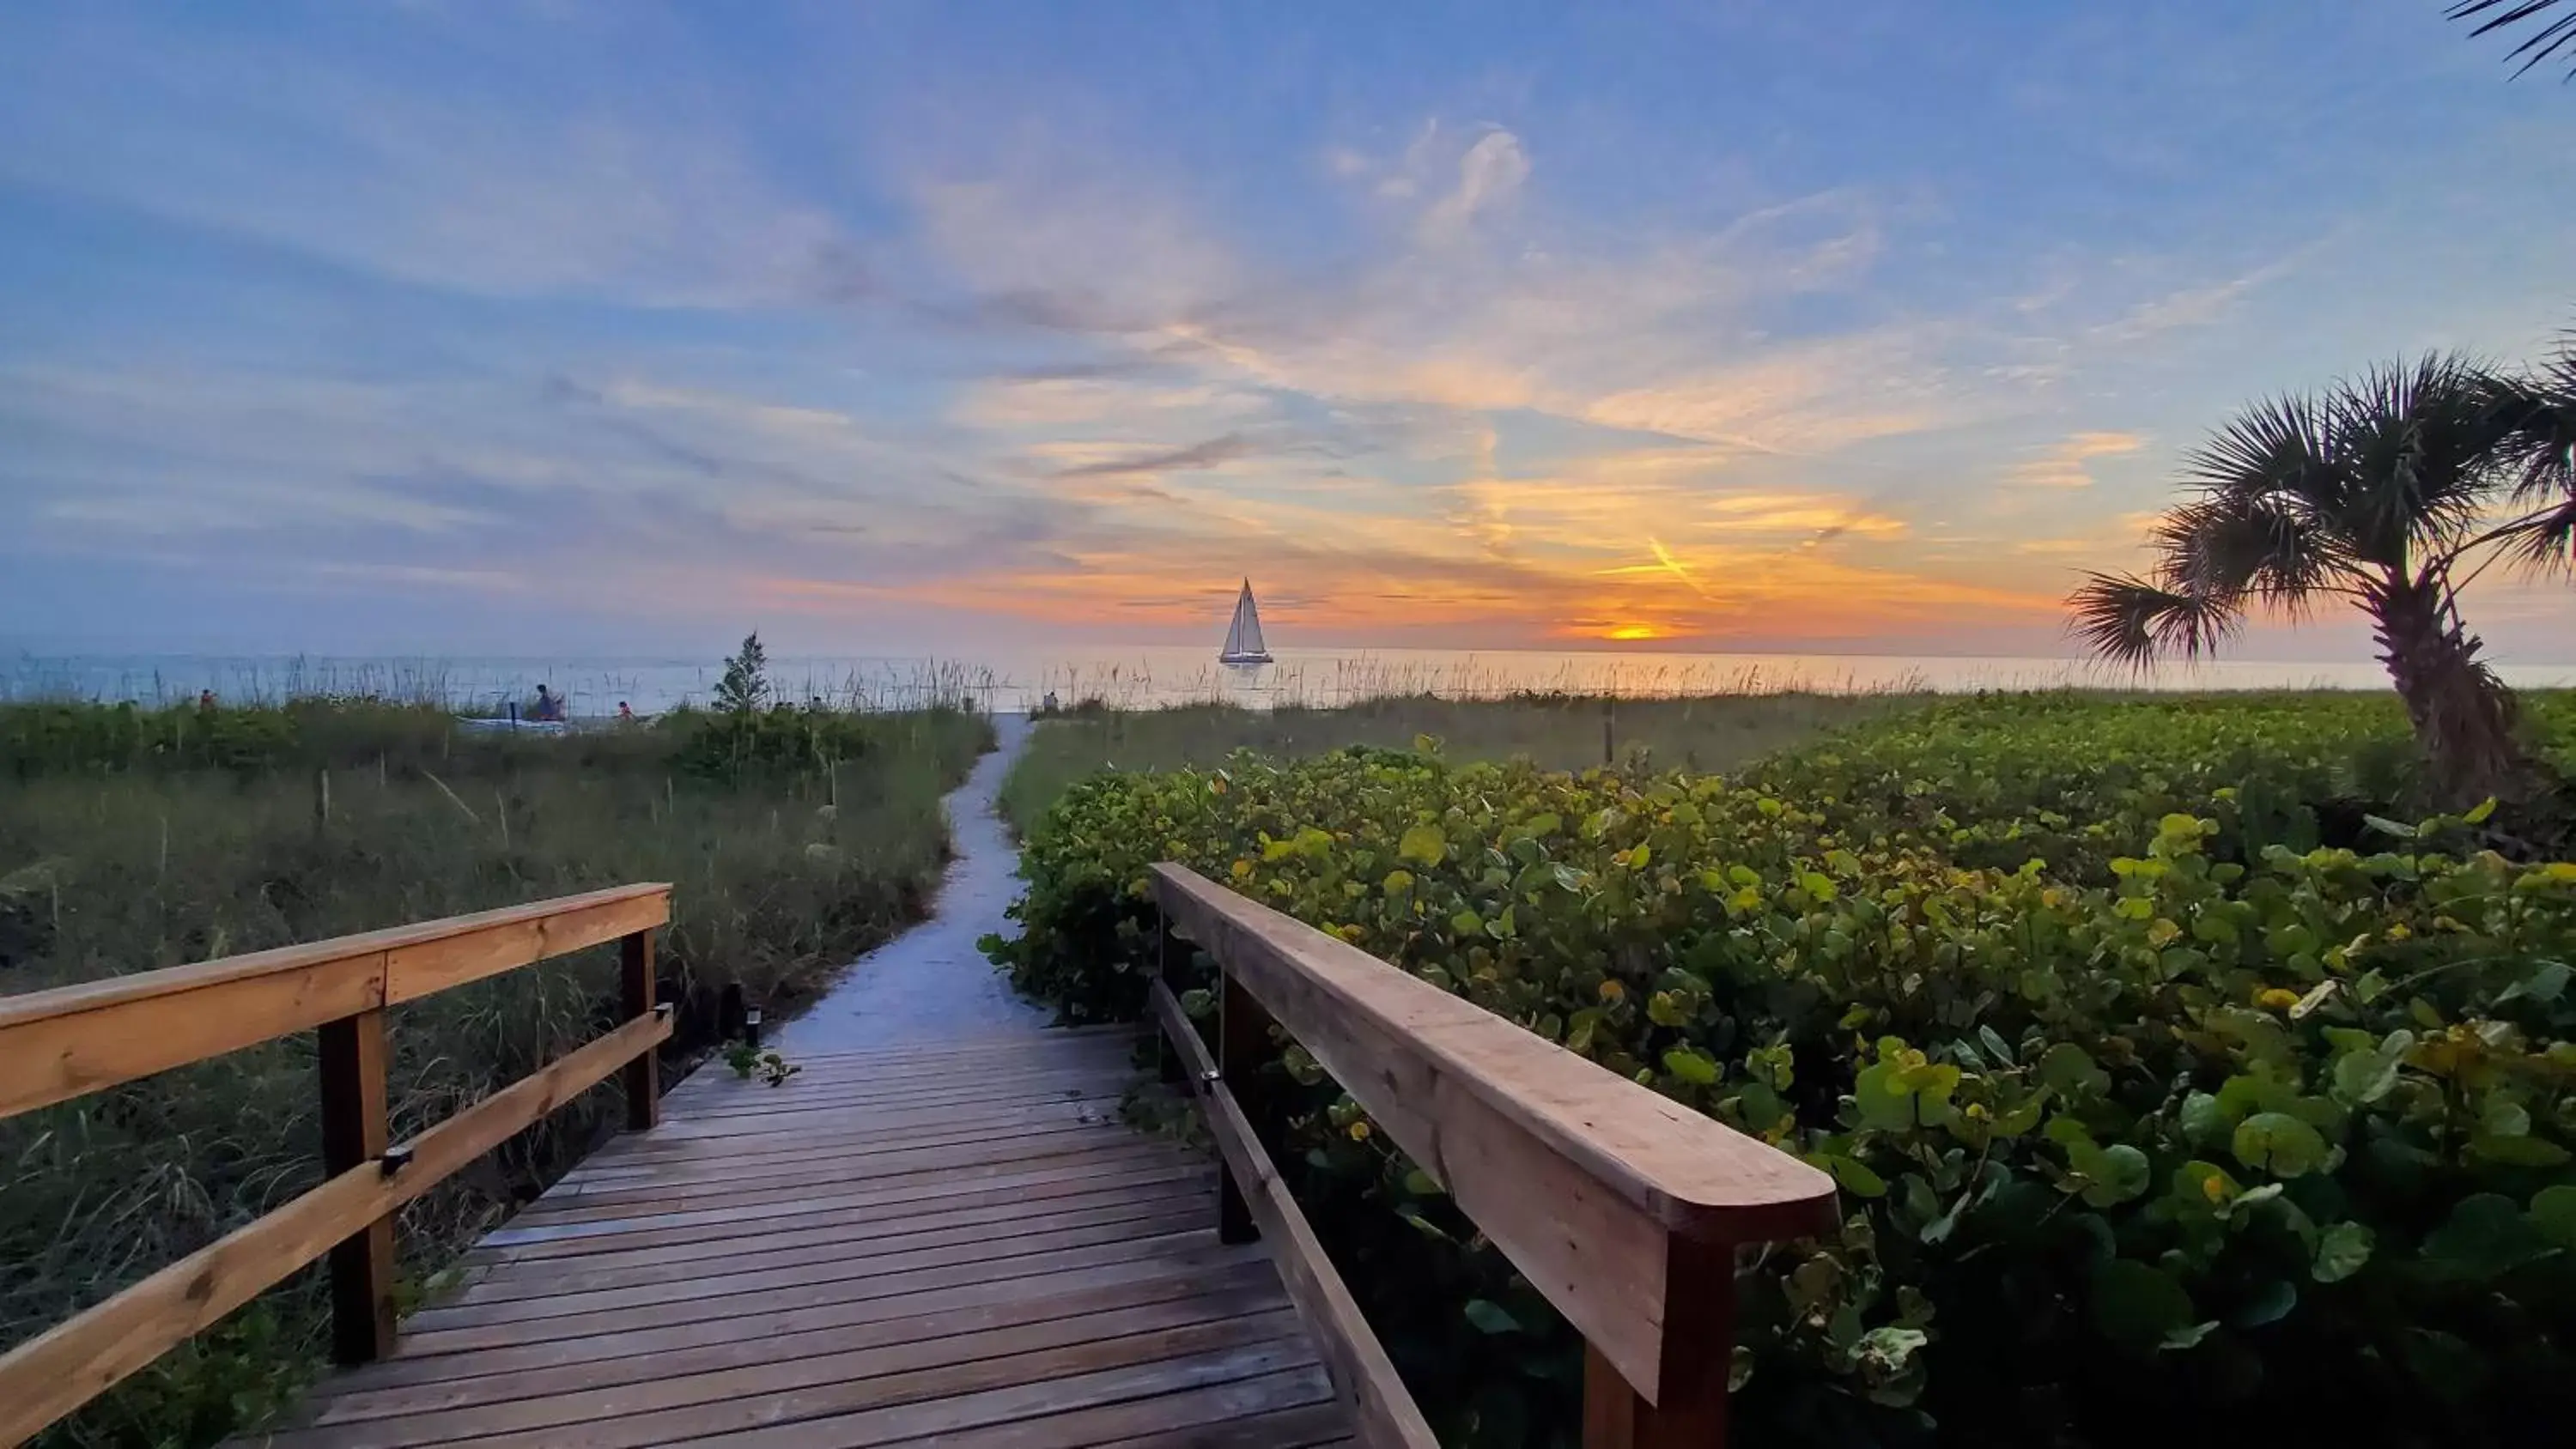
(2391, 492)
(745, 686)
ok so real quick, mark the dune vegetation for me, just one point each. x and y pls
(2182, 1062)
(132, 839)
(1554, 731)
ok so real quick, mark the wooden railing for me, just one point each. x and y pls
(1621, 1206)
(61, 1044)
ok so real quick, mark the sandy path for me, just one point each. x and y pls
(931, 982)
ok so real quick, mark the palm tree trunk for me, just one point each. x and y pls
(2463, 715)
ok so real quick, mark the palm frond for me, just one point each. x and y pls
(2556, 33)
(2280, 447)
(2545, 543)
(2539, 408)
(2227, 549)
(2130, 621)
(2422, 445)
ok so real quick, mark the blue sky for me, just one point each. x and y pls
(465, 327)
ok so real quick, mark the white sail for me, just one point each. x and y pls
(1243, 637)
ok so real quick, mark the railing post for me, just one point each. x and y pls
(1698, 1357)
(355, 1132)
(1167, 1057)
(1243, 1035)
(643, 1075)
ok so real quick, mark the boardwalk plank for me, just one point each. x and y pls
(1033, 1191)
(799, 1278)
(518, 1377)
(839, 1241)
(962, 1245)
(997, 1355)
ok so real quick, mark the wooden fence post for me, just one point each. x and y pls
(1167, 950)
(1699, 1356)
(1243, 1035)
(643, 1075)
(355, 1132)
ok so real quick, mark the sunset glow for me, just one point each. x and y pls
(915, 327)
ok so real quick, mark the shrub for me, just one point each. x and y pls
(2153, 1109)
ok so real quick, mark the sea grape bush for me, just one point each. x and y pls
(2152, 1112)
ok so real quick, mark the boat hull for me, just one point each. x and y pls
(1243, 659)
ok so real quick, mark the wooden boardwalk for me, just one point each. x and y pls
(955, 1242)
(950, 1241)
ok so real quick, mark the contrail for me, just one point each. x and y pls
(1674, 567)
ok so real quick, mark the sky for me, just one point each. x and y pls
(607, 325)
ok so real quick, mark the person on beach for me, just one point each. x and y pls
(549, 705)
(625, 713)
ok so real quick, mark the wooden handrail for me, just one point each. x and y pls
(1622, 1207)
(64, 1043)
(70, 1041)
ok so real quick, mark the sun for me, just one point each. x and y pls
(1634, 631)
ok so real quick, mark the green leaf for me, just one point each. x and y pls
(1885, 1358)
(2119, 1172)
(1421, 1184)
(2516, 1151)
(1423, 845)
(2069, 1068)
(1853, 1175)
(2386, 826)
(1490, 1317)
(2553, 1216)
(2545, 983)
(1882, 1103)
(2204, 1119)
(1467, 923)
(2485, 1237)
(2268, 1303)
(2137, 1306)
(2280, 1144)
(2341, 1251)
(1995, 1045)
(2364, 1076)
(1692, 1065)
(1423, 1225)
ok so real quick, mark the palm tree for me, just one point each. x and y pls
(2391, 492)
(2555, 33)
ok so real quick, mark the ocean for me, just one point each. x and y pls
(1137, 677)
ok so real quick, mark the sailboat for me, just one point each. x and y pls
(1243, 637)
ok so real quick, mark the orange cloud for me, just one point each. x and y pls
(2064, 465)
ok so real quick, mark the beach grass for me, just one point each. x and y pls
(132, 839)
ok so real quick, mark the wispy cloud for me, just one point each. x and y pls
(1178, 460)
(2068, 463)
(2201, 305)
(1489, 176)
